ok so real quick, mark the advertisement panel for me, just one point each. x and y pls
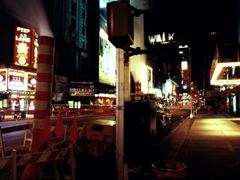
(81, 89)
(25, 47)
(22, 47)
(60, 87)
(32, 81)
(16, 80)
(107, 60)
(35, 51)
(3, 79)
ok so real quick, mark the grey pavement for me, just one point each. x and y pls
(211, 146)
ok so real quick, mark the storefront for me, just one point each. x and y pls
(17, 89)
(18, 77)
(224, 74)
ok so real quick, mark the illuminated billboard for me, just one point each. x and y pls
(32, 81)
(3, 79)
(25, 47)
(81, 89)
(16, 80)
(107, 60)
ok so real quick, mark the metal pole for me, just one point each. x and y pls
(122, 94)
(120, 116)
(191, 84)
(14, 164)
(126, 81)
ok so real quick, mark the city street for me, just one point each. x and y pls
(208, 145)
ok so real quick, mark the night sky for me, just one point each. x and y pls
(194, 20)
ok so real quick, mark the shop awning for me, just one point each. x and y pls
(225, 69)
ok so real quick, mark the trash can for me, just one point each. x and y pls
(169, 169)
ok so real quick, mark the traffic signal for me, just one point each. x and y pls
(120, 24)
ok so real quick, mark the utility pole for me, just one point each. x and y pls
(191, 84)
(120, 33)
(120, 167)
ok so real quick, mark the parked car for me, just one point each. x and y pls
(163, 122)
(165, 112)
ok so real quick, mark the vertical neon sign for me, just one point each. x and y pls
(22, 50)
(25, 47)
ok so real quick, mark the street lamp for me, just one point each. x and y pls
(191, 101)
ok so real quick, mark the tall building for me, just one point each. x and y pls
(225, 68)
(17, 63)
(74, 26)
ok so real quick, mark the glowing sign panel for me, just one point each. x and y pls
(184, 65)
(31, 81)
(219, 70)
(163, 38)
(22, 46)
(3, 81)
(16, 80)
(26, 44)
(107, 60)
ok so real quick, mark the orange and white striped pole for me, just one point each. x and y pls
(41, 130)
(43, 92)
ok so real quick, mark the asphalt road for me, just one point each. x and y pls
(88, 166)
(208, 145)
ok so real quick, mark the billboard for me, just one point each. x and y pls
(16, 80)
(3, 79)
(25, 47)
(107, 60)
(32, 81)
(81, 89)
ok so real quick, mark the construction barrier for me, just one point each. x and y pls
(5, 130)
(50, 155)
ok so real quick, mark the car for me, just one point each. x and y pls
(163, 122)
(164, 111)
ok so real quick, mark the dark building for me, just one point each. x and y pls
(161, 39)
(75, 28)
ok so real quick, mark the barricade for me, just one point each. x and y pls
(5, 130)
(13, 161)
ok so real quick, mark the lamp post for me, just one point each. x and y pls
(191, 84)
(191, 101)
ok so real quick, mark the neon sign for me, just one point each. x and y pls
(16, 80)
(219, 69)
(3, 81)
(26, 47)
(163, 38)
(22, 46)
